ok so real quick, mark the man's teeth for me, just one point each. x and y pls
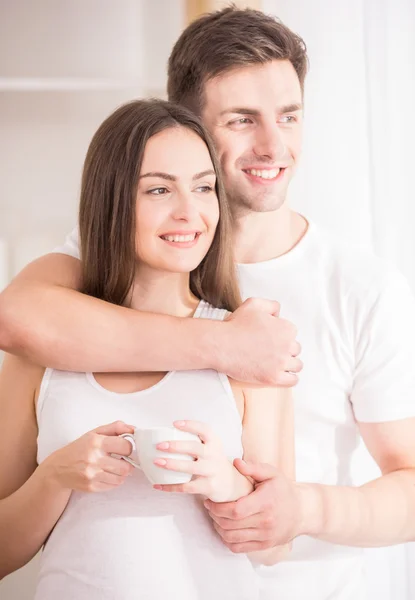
(264, 174)
(179, 238)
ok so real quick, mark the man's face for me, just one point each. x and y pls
(255, 116)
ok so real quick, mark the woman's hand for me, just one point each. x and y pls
(86, 465)
(214, 475)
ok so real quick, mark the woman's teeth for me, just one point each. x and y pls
(264, 174)
(179, 238)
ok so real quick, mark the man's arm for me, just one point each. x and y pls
(44, 318)
(378, 513)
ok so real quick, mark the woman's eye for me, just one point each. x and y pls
(205, 189)
(158, 191)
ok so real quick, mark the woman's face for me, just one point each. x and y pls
(177, 209)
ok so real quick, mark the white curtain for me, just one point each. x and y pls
(358, 169)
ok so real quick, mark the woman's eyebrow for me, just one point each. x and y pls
(159, 174)
(173, 177)
(203, 174)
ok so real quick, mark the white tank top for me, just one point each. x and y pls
(135, 542)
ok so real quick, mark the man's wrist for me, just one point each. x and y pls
(212, 341)
(311, 506)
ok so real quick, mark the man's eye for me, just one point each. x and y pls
(158, 191)
(288, 119)
(241, 121)
(205, 189)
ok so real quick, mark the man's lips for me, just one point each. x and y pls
(265, 175)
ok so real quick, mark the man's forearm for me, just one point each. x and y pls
(379, 513)
(93, 335)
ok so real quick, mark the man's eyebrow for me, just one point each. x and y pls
(295, 106)
(173, 177)
(240, 111)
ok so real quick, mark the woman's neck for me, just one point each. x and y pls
(163, 293)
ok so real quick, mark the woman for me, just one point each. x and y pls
(155, 233)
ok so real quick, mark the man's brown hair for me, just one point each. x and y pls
(224, 40)
(107, 222)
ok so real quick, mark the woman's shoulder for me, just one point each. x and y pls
(21, 369)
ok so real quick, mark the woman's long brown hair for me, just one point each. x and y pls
(107, 221)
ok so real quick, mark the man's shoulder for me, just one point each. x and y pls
(70, 245)
(356, 267)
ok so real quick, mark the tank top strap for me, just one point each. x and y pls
(207, 311)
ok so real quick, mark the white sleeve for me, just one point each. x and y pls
(384, 382)
(71, 245)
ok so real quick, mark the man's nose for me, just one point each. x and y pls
(269, 142)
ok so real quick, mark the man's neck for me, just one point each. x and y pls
(267, 235)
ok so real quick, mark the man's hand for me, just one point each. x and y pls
(260, 347)
(270, 516)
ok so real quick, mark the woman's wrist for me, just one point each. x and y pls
(242, 486)
(47, 476)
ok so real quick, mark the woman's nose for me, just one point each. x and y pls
(184, 207)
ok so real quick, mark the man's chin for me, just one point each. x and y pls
(270, 203)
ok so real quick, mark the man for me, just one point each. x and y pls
(244, 72)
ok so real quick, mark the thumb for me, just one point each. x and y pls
(116, 428)
(258, 471)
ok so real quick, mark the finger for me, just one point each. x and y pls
(270, 306)
(116, 445)
(293, 365)
(286, 380)
(115, 466)
(295, 349)
(111, 479)
(228, 510)
(116, 428)
(196, 427)
(181, 488)
(194, 467)
(258, 471)
(238, 536)
(230, 524)
(196, 449)
(253, 505)
(247, 547)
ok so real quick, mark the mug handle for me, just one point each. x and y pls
(130, 438)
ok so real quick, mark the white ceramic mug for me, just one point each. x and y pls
(144, 443)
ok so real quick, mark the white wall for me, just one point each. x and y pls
(122, 45)
(120, 48)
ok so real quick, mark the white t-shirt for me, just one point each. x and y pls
(355, 316)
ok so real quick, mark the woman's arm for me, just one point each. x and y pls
(32, 498)
(268, 437)
(30, 503)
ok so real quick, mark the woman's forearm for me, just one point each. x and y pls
(26, 519)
